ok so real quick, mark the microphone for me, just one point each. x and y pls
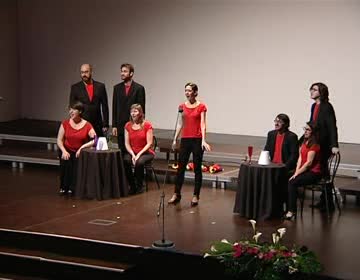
(180, 111)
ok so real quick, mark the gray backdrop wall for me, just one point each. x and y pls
(251, 59)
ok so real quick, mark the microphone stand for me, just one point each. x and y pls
(163, 243)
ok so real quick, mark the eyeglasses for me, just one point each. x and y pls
(278, 121)
(306, 129)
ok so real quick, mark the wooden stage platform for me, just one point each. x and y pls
(29, 202)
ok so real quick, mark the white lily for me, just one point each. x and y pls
(256, 236)
(207, 255)
(292, 269)
(282, 231)
(213, 249)
(225, 241)
(277, 239)
(274, 238)
(253, 224)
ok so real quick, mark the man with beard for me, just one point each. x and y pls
(92, 95)
(283, 148)
(282, 144)
(126, 93)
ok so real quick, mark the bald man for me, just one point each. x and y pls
(92, 95)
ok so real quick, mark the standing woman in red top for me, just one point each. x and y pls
(74, 135)
(308, 168)
(138, 141)
(193, 128)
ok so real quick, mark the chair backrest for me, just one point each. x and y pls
(153, 147)
(154, 143)
(333, 164)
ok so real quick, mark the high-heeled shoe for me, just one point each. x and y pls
(61, 192)
(290, 215)
(194, 201)
(175, 199)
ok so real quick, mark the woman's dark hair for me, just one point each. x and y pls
(323, 91)
(285, 119)
(314, 135)
(193, 86)
(77, 105)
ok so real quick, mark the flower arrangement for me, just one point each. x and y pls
(209, 167)
(249, 259)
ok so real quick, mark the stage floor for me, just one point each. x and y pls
(29, 202)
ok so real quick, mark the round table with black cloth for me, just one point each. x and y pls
(101, 175)
(261, 191)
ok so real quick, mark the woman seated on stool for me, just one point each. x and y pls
(307, 169)
(74, 135)
(138, 142)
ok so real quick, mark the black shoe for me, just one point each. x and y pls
(140, 190)
(175, 199)
(132, 191)
(62, 192)
(290, 215)
(194, 201)
(70, 193)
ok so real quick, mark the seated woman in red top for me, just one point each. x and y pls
(74, 135)
(138, 142)
(193, 127)
(308, 169)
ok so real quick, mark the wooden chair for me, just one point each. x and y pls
(333, 164)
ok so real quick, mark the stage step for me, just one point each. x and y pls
(15, 264)
(20, 149)
(350, 187)
(60, 257)
(222, 179)
(22, 152)
(53, 256)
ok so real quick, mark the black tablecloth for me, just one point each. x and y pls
(101, 175)
(260, 192)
